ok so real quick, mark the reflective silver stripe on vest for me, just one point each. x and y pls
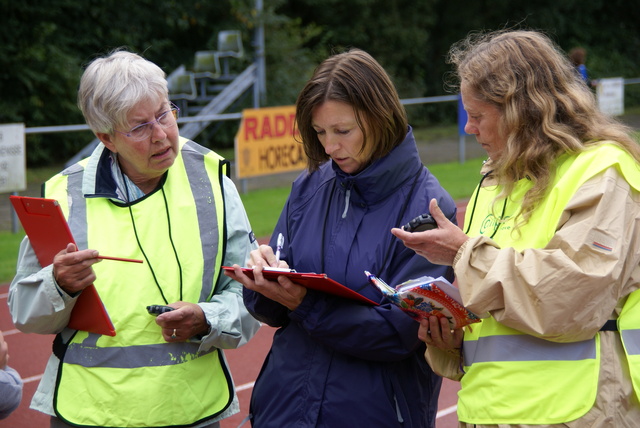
(87, 354)
(525, 348)
(206, 210)
(77, 207)
(631, 340)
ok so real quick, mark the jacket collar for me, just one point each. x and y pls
(384, 176)
(99, 179)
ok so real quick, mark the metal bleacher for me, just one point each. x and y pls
(216, 86)
(221, 101)
(206, 90)
(229, 46)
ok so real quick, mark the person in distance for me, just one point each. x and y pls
(549, 248)
(10, 383)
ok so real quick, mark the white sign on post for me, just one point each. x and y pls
(13, 159)
(610, 93)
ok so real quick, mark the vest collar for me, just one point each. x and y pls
(98, 179)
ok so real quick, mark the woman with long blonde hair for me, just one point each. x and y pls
(549, 252)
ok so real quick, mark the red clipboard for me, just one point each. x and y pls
(49, 233)
(315, 281)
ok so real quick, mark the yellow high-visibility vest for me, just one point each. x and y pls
(136, 379)
(514, 378)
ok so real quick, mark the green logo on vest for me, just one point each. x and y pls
(491, 223)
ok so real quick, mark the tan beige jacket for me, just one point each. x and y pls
(574, 302)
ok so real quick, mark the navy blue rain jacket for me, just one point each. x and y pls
(334, 362)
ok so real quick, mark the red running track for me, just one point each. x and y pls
(29, 354)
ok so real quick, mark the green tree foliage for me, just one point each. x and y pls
(411, 39)
(45, 45)
(289, 48)
(396, 32)
(608, 30)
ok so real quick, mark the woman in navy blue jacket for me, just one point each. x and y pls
(335, 362)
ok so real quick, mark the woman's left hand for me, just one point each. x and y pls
(283, 291)
(186, 321)
(435, 331)
(439, 245)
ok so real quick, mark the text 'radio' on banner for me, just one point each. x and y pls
(265, 143)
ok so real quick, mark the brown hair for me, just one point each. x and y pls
(577, 56)
(355, 78)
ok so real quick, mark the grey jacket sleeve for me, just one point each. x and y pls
(231, 324)
(10, 391)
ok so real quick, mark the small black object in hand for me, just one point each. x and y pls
(158, 309)
(421, 223)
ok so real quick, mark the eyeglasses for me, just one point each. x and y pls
(144, 130)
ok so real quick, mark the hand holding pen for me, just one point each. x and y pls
(72, 268)
(281, 289)
(266, 259)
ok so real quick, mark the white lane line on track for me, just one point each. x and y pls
(245, 386)
(32, 378)
(444, 412)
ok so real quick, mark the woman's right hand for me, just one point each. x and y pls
(283, 291)
(264, 256)
(439, 245)
(72, 269)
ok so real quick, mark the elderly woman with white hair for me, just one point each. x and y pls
(144, 193)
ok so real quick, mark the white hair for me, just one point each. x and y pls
(112, 85)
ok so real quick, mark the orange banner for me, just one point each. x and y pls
(265, 143)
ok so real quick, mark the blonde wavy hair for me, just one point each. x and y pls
(546, 108)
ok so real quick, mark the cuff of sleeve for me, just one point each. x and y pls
(456, 259)
(308, 302)
(200, 336)
(60, 299)
(65, 296)
(445, 363)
